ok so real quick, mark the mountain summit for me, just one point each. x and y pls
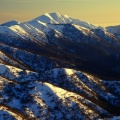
(56, 18)
(55, 67)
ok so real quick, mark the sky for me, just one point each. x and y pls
(99, 12)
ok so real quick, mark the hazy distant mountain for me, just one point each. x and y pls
(114, 30)
(55, 67)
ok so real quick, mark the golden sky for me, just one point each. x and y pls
(100, 12)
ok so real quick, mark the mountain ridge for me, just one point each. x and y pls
(55, 67)
(10, 23)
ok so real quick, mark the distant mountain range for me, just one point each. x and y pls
(55, 67)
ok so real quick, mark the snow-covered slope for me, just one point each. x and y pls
(84, 84)
(7, 31)
(56, 18)
(10, 23)
(55, 67)
(39, 28)
(29, 95)
(2, 69)
(16, 74)
(50, 26)
(114, 30)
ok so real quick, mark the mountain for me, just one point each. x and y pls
(114, 30)
(10, 23)
(56, 18)
(56, 94)
(75, 39)
(35, 26)
(58, 67)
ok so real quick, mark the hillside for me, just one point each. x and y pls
(55, 67)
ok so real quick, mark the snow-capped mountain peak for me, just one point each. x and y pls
(46, 18)
(57, 18)
(40, 27)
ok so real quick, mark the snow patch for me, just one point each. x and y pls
(2, 68)
(69, 71)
